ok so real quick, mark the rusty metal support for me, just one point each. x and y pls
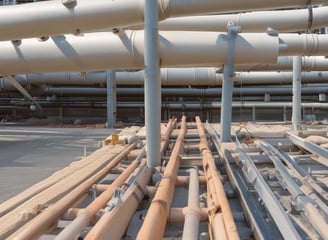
(220, 215)
(160, 205)
(42, 222)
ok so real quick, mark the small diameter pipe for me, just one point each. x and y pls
(297, 92)
(192, 215)
(42, 222)
(217, 201)
(160, 205)
(87, 215)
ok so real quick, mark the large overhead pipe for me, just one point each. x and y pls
(280, 20)
(57, 17)
(125, 50)
(176, 49)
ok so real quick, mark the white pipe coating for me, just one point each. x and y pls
(99, 51)
(49, 18)
(280, 20)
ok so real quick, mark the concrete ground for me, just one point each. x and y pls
(31, 154)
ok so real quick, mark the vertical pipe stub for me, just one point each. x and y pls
(227, 84)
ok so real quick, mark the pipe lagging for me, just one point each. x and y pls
(51, 18)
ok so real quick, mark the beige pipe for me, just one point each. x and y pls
(111, 51)
(88, 215)
(113, 224)
(183, 181)
(258, 21)
(217, 201)
(51, 18)
(161, 203)
(40, 224)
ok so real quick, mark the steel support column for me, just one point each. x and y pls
(152, 84)
(111, 99)
(297, 108)
(227, 85)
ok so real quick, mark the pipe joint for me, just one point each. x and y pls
(192, 211)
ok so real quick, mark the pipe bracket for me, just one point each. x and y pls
(69, 3)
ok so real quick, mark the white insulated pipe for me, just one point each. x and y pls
(49, 18)
(280, 20)
(169, 77)
(99, 51)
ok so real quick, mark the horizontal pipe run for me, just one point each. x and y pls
(183, 181)
(40, 224)
(169, 77)
(86, 216)
(51, 18)
(125, 51)
(257, 21)
(199, 92)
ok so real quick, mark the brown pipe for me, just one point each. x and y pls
(160, 205)
(49, 216)
(217, 200)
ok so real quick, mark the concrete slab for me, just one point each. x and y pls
(31, 154)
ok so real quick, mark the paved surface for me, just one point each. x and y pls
(29, 154)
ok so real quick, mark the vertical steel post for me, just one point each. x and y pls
(297, 108)
(227, 84)
(152, 84)
(111, 99)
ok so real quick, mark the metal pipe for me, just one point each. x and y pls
(218, 202)
(161, 202)
(50, 18)
(152, 84)
(111, 99)
(87, 215)
(192, 215)
(40, 224)
(297, 97)
(227, 85)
